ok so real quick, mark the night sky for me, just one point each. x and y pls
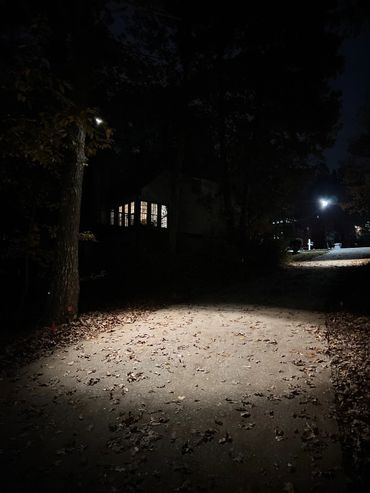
(355, 86)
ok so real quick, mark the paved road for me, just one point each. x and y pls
(343, 257)
(210, 397)
(347, 254)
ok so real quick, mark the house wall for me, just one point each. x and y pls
(202, 223)
(201, 217)
(200, 204)
(202, 226)
(201, 211)
(158, 190)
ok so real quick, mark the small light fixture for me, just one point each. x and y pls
(98, 120)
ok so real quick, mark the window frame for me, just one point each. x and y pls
(120, 216)
(163, 223)
(132, 210)
(126, 215)
(143, 219)
(139, 212)
(112, 217)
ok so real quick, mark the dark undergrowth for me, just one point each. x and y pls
(348, 338)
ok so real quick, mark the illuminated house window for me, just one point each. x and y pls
(154, 214)
(143, 212)
(120, 210)
(147, 213)
(132, 213)
(163, 216)
(125, 215)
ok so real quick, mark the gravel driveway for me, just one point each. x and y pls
(215, 397)
(218, 396)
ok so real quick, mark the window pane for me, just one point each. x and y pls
(120, 215)
(163, 216)
(154, 214)
(132, 213)
(126, 215)
(143, 212)
(111, 217)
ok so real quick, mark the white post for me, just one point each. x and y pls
(309, 244)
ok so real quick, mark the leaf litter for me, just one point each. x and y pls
(348, 338)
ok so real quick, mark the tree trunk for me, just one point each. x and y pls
(65, 284)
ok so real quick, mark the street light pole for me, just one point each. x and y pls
(324, 204)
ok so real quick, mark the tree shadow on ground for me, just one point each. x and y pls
(306, 288)
(80, 441)
(296, 287)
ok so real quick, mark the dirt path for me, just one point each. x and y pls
(230, 395)
(193, 398)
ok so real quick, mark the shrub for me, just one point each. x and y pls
(296, 244)
(87, 236)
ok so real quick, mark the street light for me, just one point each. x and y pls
(324, 203)
(98, 120)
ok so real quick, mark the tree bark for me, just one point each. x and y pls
(65, 284)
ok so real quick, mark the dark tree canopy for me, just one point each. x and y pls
(355, 171)
(197, 88)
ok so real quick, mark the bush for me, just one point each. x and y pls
(263, 255)
(87, 236)
(296, 244)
